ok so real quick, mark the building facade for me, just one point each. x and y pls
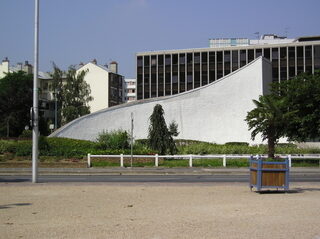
(6, 68)
(162, 73)
(130, 90)
(194, 121)
(105, 83)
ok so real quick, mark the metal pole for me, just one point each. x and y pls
(131, 137)
(35, 128)
(55, 110)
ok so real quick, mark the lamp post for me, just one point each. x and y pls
(131, 138)
(55, 109)
(35, 108)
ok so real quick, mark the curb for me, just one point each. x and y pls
(146, 171)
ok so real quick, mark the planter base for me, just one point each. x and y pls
(264, 174)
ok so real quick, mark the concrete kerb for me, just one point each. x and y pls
(145, 171)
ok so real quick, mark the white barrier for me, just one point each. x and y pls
(191, 157)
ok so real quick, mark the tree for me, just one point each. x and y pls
(301, 96)
(57, 77)
(159, 137)
(269, 120)
(15, 102)
(75, 96)
(173, 129)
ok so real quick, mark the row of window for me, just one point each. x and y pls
(167, 74)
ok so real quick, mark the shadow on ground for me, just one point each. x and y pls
(291, 191)
(14, 180)
(14, 205)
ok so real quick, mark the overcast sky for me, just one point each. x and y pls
(74, 31)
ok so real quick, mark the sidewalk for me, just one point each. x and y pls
(146, 171)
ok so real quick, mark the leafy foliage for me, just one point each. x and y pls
(118, 139)
(173, 129)
(72, 92)
(301, 95)
(15, 102)
(159, 137)
(75, 95)
(269, 120)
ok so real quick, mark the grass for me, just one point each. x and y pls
(206, 163)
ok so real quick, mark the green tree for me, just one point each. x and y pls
(173, 129)
(57, 78)
(301, 96)
(15, 102)
(159, 137)
(269, 120)
(75, 95)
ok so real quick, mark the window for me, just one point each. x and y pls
(308, 59)
(235, 58)
(219, 65)
(266, 53)
(196, 70)
(204, 68)
(227, 61)
(212, 67)
(182, 71)
(292, 61)
(243, 58)
(316, 54)
(250, 55)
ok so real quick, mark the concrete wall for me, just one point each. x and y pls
(213, 113)
(98, 79)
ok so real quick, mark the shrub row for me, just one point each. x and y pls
(72, 148)
(240, 148)
(63, 147)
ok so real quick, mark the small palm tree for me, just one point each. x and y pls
(269, 119)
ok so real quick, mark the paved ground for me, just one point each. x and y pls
(147, 171)
(156, 178)
(154, 210)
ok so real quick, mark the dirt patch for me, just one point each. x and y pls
(105, 210)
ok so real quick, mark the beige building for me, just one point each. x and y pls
(6, 68)
(105, 83)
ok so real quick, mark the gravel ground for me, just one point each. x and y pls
(154, 210)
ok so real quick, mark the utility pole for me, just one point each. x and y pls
(131, 138)
(35, 108)
(55, 109)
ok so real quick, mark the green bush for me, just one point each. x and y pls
(7, 146)
(237, 143)
(118, 139)
(26, 134)
(23, 148)
(68, 148)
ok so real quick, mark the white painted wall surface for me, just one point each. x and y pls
(4, 68)
(98, 79)
(213, 113)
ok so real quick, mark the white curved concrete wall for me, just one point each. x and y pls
(213, 113)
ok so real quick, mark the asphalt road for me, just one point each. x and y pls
(148, 178)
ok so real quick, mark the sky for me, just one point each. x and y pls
(74, 31)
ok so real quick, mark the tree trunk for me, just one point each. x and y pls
(271, 147)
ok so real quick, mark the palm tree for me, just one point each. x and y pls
(268, 119)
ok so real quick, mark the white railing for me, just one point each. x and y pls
(191, 157)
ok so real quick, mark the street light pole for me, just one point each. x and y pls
(131, 139)
(35, 125)
(55, 109)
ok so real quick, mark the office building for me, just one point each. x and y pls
(169, 72)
